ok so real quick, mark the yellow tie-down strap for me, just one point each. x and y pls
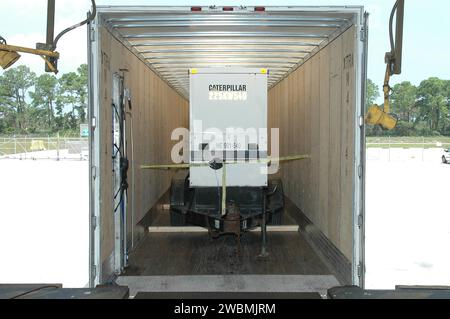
(260, 161)
(268, 161)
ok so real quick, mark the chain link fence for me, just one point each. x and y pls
(402, 149)
(39, 147)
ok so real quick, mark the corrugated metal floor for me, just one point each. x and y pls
(193, 262)
(178, 254)
(194, 253)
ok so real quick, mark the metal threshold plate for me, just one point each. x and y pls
(195, 229)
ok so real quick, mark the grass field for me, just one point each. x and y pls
(11, 145)
(408, 142)
(14, 146)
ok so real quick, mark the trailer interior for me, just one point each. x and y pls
(315, 57)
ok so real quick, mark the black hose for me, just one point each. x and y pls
(89, 19)
(123, 188)
(391, 22)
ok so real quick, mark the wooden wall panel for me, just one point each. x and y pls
(315, 105)
(284, 132)
(347, 139)
(289, 139)
(315, 135)
(298, 178)
(296, 131)
(324, 139)
(156, 110)
(334, 163)
(308, 187)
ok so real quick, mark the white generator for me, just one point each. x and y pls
(228, 122)
(228, 126)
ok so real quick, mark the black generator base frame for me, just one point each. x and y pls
(202, 206)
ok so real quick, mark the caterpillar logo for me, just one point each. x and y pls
(227, 92)
(227, 88)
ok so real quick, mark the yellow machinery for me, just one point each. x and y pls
(376, 115)
(9, 54)
(383, 117)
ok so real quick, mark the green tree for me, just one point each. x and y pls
(433, 101)
(15, 85)
(44, 96)
(6, 121)
(35, 119)
(82, 90)
(446, 130)
(67, 100)
(372, 93)
(71, 104)
(403, 101)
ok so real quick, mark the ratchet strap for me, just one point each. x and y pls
(259, 161)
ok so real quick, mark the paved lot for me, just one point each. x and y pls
(44, 220)
(408, 218)
(44, 235)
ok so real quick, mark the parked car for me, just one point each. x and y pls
(446, 156)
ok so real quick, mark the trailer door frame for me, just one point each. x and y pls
(358, 264)
(98, 271)
(94, 155)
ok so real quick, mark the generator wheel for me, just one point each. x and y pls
(276, 202)
(278, 197)
(177, 218)
(277, 219)
(178, 191)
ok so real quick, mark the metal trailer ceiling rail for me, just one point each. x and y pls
(172, 40)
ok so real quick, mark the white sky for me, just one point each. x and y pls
(426, 38)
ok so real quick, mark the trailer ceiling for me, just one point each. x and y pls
(171, 41)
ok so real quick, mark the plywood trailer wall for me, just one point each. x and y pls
(314, 108)
(156, 110)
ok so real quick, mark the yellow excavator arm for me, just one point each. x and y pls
(382, 116)
(9, 54)
(377, 116)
